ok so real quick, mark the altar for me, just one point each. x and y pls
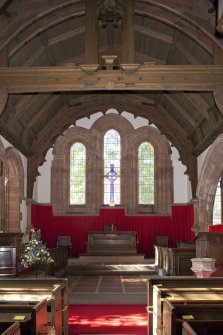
(111, 243)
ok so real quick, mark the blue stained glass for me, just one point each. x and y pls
(112, 153)
(112, 176)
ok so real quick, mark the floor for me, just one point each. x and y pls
(102, 283)
(106, 283)
(130, 289)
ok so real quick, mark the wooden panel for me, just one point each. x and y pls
(108, 243)
(197, 327)
(54, 290)
(210, 244)
(186, 294)
(32, 315)
(175, 281)
(7, 261)
(10, 328)
(174, 313)
(15, 240)
(174, 261)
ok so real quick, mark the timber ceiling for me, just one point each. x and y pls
(44, 33)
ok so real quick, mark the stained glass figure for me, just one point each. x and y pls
(112, 176)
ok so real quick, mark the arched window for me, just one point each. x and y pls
(112, 155)
(217, 209)
(146, 174)
(77, 174)
(101, 165)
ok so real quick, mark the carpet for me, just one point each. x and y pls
(107, 319)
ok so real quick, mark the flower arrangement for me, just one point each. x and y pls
(35, 251)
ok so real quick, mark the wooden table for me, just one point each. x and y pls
(111, 243)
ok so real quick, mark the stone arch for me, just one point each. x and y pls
(14, 189)
(207, 184)
(61, 171)
(93, 140)
(163, 170)
(126, 131)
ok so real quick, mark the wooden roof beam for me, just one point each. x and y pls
(131, 77)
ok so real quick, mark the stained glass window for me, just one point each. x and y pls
(146, 174)
(77, 174)
(217, 210)
(112, 154)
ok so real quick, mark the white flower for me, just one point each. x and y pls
(35, 251)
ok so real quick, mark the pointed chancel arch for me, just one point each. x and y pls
(14, 189)
(207, 184)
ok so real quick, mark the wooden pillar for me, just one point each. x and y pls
(128, 33)
(29, 203)
(4, 57)
(3, 93)
(91, 33)
(217, 54)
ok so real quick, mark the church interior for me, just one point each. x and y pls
(111, 146)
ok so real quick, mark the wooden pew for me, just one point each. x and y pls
(171, 282)
(54, 290)
(31, 315)
(175, 312)
(174, 261)
(10, 328)
(186, 294)
(200, 327)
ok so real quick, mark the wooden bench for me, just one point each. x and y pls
(53, 290)
(198, 327)
(186, 294)
(31, 315)
(175, 312)
(174, 261)
(155, 296)
(10, 328)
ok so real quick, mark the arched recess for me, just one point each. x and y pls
(207, 184)
(163, 171)
(93, 141)
(14, 189)
(126, 132)
(60, 172)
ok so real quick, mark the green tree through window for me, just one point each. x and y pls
(77, 174)
(112, 154)
(146, 174)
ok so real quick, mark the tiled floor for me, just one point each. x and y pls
(107, 289)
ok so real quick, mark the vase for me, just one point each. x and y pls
(203, 267)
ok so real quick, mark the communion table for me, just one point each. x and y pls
(111, 243)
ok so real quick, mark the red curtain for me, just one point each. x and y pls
(216, 228)
(177, 226)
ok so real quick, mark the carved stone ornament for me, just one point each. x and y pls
(109, 14)
(203, 267)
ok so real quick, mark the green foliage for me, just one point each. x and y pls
(35, 251)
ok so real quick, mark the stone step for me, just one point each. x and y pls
(111, 259)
